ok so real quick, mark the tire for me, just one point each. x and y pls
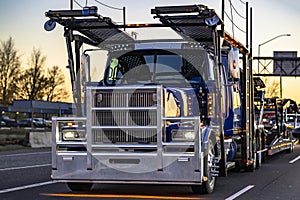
(264, 156)
(263, 146)
(258, 160)
(237, 167)
(258, 156)
(250, 168)
(209, 185)
(79, 187)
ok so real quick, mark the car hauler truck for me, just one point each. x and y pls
(175, 111)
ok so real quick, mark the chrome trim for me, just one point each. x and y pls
(71, 143)
(89, 103)
(124, 127)
(125, 154)
(124, 108)
(63, 119)
(178, 144)
(129, 182)
(124, 146)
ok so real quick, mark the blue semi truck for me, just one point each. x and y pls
(166, 111)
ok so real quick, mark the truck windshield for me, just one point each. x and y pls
(157, 67)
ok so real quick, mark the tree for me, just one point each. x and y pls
(272, 87)
(9, 71)
(55, 90)
(32, 82)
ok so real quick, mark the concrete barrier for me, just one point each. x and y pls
(9, 137)
(40, 139)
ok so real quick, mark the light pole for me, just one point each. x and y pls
(274, 38)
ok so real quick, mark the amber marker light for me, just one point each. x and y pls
(234, 64)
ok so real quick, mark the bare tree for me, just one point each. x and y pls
(55, 90)
(9, 71)
(272, 87)
(32, 82)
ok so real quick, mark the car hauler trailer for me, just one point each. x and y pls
(274, 131)
(174, 111)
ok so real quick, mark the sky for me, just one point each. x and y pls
(23, 20)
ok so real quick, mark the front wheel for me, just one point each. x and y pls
(79, 187)
(209, 185)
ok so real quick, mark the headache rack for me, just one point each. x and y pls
(94, 27)
(194, 22)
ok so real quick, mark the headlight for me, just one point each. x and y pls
(183, 135)
(189, 135)
(73, 134)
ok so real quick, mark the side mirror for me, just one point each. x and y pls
(85, 69)
(49, 25)
(296, 132)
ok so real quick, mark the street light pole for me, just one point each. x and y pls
(274, 38)
(278, 36)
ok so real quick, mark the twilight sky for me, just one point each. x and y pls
(23, 21)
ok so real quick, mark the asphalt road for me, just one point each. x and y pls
(25, 174)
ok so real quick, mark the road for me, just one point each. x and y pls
(25, 174)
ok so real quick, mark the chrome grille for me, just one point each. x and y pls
(125, 118)
(106, 136)
(136, 98)
(124, 115)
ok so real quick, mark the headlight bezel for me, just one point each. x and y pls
(73, 134)
(182, 135)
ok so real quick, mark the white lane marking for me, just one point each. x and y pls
(240, 192)
(25, 187)
(24, 167)
(294, 160)
(25, 154)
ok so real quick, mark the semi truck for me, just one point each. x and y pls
(166, 111)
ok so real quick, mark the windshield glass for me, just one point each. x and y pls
(157, 67)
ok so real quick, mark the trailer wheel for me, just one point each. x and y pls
(79, 187)
(209, 185)
(257, 156)
(258, 160)
(250, 168)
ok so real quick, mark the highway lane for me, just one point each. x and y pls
(19, 168)
(278, 178)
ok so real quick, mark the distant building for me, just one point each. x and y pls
(41, 108)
